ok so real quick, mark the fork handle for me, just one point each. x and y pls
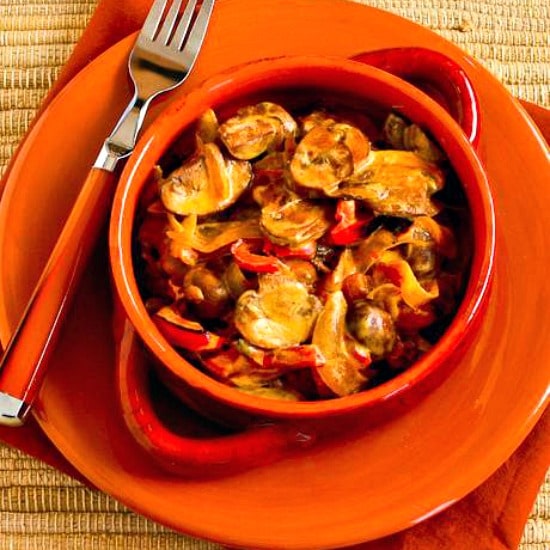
(23, 364)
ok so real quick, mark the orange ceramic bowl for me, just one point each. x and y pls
(350, 81)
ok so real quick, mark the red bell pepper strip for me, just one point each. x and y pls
(351, 223)
(184, 338)
(246, 258)
(304, 251)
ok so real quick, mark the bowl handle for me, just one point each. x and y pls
(439, 76)
(213, 454)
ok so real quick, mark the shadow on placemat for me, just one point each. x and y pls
(43, 508)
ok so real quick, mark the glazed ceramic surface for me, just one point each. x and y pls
(387, 476)
(331, 78)
(310, 421)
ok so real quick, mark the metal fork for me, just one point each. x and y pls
(161, 59)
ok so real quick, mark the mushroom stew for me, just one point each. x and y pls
(303, 254)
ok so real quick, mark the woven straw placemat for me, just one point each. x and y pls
(42, 508)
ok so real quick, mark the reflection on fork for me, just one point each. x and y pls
(163, 55)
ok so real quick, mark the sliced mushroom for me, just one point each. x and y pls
(342, 372)
(328, 154)
(423, 260)
(356, 141)
(321, 161)
(416, 140)
(316, 118)
(205, 183)
(394, 130)
(256, 129)
(373, 327)
(207, 127)
(269, 109)
(410, 137)
(281, 313)
(295, 222)
(275, 193)
(358, 120)
(206, 292)
(425, 243)
(286, 218)
(304, 271)
(395, 183)
(236, 281)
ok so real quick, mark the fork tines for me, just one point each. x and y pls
(164, 24)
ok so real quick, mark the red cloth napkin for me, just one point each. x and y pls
(491, 517)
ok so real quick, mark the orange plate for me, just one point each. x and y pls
(389, 477)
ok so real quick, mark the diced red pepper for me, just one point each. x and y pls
(306, 250)
(351, 223)
(246, 257)
(191, 340)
